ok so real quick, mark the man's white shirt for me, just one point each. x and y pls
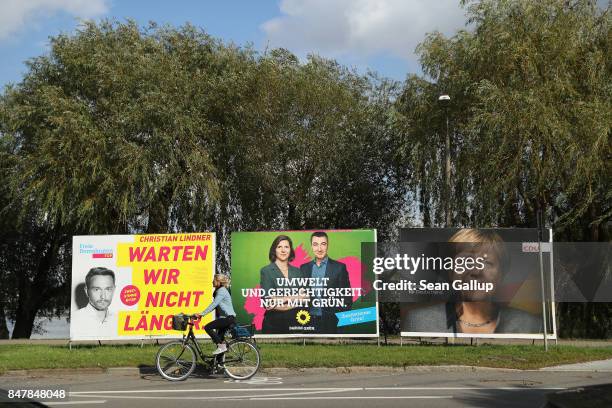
(85, 322)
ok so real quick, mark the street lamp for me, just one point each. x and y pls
(445, 101)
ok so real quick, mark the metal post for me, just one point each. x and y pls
(444, 100)
(553, 313)
(540, 226)
(448, 173)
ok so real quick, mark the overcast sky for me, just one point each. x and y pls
(368, 34)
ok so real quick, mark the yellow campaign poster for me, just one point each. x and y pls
(130, 286)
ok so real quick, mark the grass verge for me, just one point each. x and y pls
(23, 357)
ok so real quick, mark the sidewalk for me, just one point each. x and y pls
(601, 366)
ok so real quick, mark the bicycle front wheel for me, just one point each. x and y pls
(175, 361)
(242, 360)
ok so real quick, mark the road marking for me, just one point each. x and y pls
(299, 393)
(84, 393)
(236, 397)
(514, 388)
(345, 398)
(461, 388)
(577, 370)
(257, 381)
(335, 390)
(74, 402)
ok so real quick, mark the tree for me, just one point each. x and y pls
(121, 129)
(99, 139)
(532, 114)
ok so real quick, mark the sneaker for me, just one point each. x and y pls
(221, 348)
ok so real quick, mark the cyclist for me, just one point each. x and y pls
(222, 304)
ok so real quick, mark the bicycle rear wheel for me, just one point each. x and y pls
(175, 361)
(241, 360)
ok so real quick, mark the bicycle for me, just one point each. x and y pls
(175, 361)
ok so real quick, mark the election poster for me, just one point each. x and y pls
(453, 282)
(130, 286)
(304, 283)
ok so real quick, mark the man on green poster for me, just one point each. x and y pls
(330, 274)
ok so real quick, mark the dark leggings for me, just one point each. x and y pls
(217, 328)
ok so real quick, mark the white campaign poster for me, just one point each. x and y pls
(130, 286)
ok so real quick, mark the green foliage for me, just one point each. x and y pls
(121, 129)
(163, 129)
(531, 113)
(105, 130)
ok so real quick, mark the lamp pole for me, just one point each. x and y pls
(445, 101)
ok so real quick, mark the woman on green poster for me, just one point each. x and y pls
(279, 316)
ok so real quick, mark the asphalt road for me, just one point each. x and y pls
(418, 388)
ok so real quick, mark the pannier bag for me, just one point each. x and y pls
(243, 330)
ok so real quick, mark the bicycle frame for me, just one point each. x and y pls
(240, 351)
(210, 360)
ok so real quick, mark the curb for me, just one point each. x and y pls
(45, 372)
(385, 369)
(147, 370)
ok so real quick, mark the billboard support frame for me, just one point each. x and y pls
(543, 282)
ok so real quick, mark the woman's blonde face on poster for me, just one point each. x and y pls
(489, 273)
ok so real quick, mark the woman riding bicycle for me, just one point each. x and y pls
(226, 317)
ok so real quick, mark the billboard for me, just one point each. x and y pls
(304, 283)
(498, 295)
(130, 286)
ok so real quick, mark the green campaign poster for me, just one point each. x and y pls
(304, 283)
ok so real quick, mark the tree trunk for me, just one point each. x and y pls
(24, 321)
(4, 333)
(424, 199)
(159, 212)
(34, 293)
(594, 226)
(292, 217)
(383, 319)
